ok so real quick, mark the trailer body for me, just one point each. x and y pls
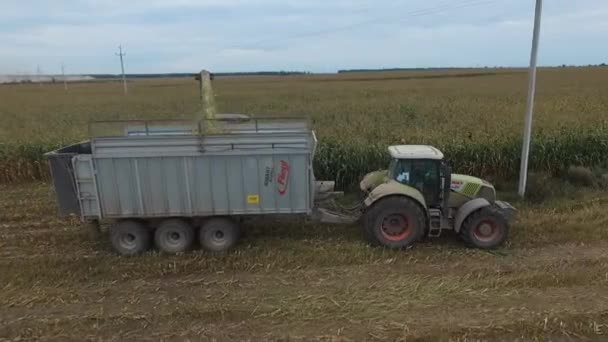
(253, 168)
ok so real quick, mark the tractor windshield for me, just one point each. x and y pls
(400, 171)
(392, 169)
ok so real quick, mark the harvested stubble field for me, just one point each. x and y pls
(306, 281)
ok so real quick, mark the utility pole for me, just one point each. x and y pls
(122, 67)
(65, 82)
(525, 151)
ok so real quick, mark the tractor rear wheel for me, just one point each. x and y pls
(130, 237)
(394, 222)
(486, 228)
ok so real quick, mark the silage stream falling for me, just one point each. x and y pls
(208, 104)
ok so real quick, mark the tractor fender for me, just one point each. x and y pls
(392, 188)
(467, 209)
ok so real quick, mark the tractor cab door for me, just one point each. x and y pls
(422, 174)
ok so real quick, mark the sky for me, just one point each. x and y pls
(161, 36)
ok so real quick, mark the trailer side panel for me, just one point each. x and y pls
(244, 174)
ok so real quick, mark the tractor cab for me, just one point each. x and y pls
(419, 196)
(423, 168)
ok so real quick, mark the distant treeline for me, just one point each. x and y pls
(262, 73)
(176, 75)
(400, 69)
(457, 68)
(287, 73)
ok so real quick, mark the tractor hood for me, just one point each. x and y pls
(372, 180)
(472, 186)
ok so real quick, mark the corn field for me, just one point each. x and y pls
(475, 117)
(301, 279)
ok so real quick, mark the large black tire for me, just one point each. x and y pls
(219, 234)
(174, 236)
(485, 228)
(394, 222)
(130, 237)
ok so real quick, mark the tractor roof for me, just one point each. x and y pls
(414, 152)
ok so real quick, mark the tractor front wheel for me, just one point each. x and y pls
(394, 222)
(486, 228)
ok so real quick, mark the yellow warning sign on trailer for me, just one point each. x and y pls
(253, 199)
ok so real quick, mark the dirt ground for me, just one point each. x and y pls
(302, 281)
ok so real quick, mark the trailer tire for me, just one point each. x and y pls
(395, 222)
(174, 236)
(219, 234)
(130, 238)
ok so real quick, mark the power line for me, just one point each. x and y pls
(439, 8)
(122, 67)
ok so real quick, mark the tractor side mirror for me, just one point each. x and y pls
(446, 170)
(449, 164)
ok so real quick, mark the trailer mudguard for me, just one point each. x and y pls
(468, 208)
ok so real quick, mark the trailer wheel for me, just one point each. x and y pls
(130, 238)
(485, 228)
(174, 236)
(394, 222)
(219, 234)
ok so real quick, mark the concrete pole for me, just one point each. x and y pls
(65, 82)
(122, 68)
(525, 152)
(39, 75)
(201, 80)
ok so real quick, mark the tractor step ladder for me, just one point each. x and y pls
(434, 222)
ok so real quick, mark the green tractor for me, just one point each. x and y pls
(418, 196)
